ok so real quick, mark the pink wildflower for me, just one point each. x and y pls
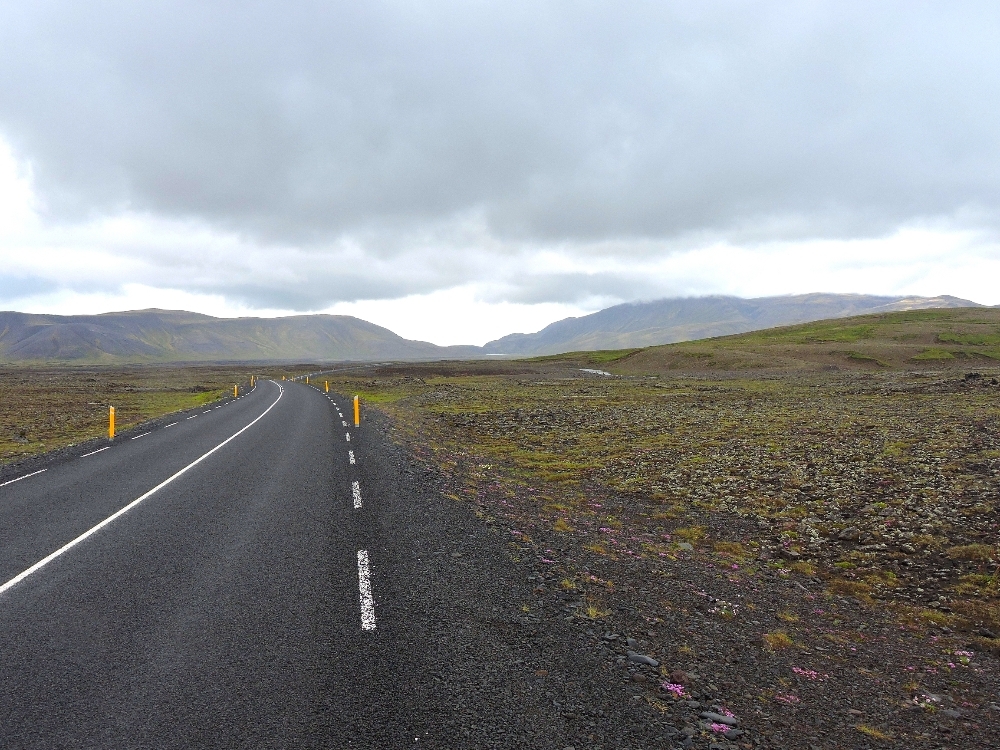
(674, 688)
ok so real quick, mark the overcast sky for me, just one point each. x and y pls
(461, 170)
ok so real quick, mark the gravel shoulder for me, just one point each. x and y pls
(496, 670)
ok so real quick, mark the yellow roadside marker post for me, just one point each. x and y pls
(357, 413)
(111, 423)
(282, 377)
(307, 380)
(326, 386)
(236, 391)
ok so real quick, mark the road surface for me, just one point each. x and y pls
(262, 574)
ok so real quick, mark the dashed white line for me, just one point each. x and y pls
(348, 437)
(365, 590)
(94, 529)
(139, 436)
(166, 426)
(97, 451)
(356, 491)
(11, 481)
(192, 416)
(344, 423)
(350, 455)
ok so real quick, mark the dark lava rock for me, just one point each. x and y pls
(649, 661)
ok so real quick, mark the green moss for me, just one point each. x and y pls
(934, 354)
(969, 339)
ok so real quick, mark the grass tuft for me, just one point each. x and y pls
(778, 640)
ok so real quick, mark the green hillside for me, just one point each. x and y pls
(964, 338)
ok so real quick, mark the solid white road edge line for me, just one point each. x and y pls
(139, 436)
(356, 491)
(365, 589)
(93, 530)
(11, 481)
(164, 427)
(97, 451)
(350, 455)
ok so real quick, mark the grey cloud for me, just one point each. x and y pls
(605, 288)
(14, 288)
(571, 122)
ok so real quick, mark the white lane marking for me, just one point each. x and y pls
(365, 589)
(165, 426)
(344, 424)
(139, 436)
(192, 416)
(350, 455)
(11, 481)
(94, 529)
(356, 491)
(97, 451)
(348, 437)
(206, 411)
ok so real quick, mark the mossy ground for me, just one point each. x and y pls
(44, 408)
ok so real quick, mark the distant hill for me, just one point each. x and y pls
(177, 336)
(640, 324)
(967, 339)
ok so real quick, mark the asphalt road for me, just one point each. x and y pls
(228, 608)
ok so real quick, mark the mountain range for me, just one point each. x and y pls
(177, 336)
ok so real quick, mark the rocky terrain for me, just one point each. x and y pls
(806, 560)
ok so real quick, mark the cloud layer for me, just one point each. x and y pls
(297, 155)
